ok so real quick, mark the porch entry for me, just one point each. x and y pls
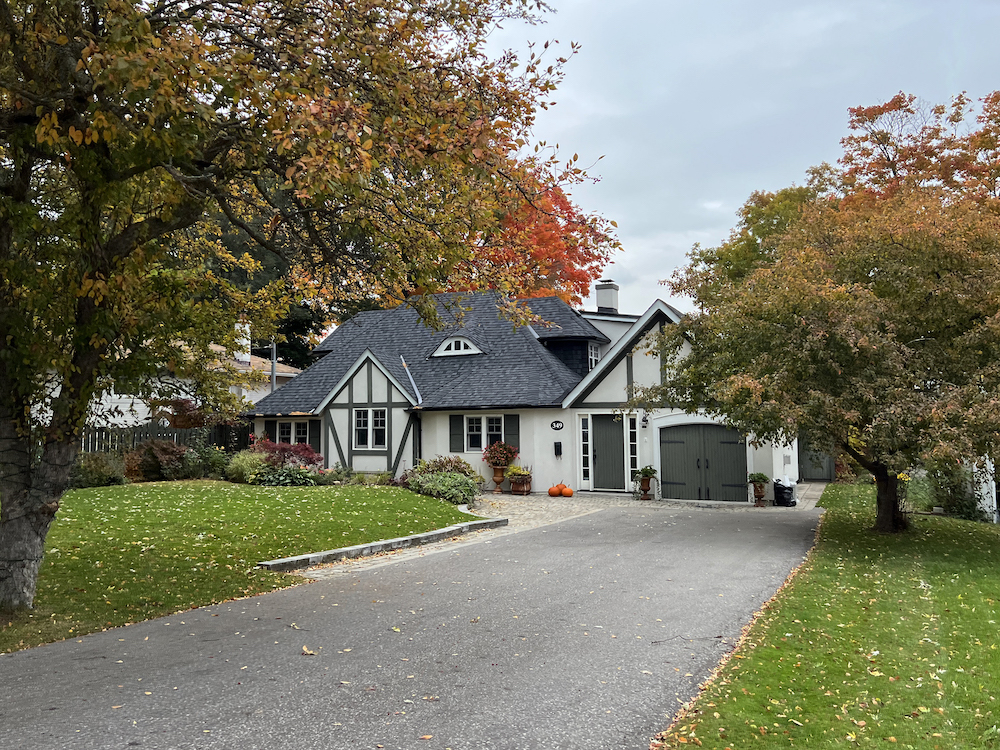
(608, 452)
(703, 462)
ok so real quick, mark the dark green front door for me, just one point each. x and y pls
(608, 452)
(703, 462)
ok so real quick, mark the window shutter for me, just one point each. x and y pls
(315, 436)
(271, 429)
(456, 429)
(512, 430)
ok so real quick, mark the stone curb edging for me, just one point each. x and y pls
(364, 550)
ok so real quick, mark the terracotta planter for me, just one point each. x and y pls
(520, 488)
(644, 483)
(498, 478)
(758, 495)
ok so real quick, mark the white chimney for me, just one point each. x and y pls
(607, 296)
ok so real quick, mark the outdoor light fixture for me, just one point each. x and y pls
(645, 420)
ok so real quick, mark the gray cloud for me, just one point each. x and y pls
(694, 105)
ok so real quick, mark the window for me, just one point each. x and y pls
(286, 431)
(474, 432)
(370, 429)
(585, 446)
(593, 355)
(633, 445)
(457, 345)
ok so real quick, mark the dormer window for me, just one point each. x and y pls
(593, 355)
(456, 346)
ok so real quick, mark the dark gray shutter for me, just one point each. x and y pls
(271, 429)
(315, 435)
(456, 429)
(512, 430)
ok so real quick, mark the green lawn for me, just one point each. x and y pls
(117, 555)
(878, 641)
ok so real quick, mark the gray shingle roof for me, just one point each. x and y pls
(514, 369)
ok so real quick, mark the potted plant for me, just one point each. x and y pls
(759, 481)
(520, 479)
(644, 477)
(499, 456)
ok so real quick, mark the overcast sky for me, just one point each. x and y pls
(694, 105)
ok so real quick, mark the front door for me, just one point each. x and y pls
(703, 462)
(608, 452)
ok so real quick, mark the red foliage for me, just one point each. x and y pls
(280, 455)
(546, 247)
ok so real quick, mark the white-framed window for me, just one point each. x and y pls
(585, 446)
(489, 427)
(593, 355)
(633, 445)
(456, 346)
(293, 432)
(370, 429)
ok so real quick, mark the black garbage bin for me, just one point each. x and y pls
(784, 494)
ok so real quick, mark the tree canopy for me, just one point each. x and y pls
(368, 143)
(862, 311)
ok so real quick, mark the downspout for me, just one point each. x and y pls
(420, 399)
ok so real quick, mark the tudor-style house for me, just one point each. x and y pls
(389, 391)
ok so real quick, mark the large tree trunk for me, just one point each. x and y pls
(29, 497)
(22, 544)
(889, 516)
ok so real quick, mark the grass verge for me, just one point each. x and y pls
(117, 555)
(888, 641)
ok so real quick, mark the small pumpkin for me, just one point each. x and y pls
(567, 492)
(554, 492)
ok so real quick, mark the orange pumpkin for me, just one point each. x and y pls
(560, 486)
(554, 492)
(567, 492)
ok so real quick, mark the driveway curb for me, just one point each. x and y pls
(365, 550)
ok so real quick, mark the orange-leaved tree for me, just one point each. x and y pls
(862, 311)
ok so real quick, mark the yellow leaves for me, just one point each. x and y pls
(306, 651)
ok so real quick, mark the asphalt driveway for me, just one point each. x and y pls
(583, 634)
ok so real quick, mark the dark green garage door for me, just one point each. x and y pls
(703, 462)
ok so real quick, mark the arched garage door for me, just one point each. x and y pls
(703, 462)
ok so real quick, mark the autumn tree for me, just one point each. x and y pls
(126, 128)
(861, 312)
(545, 246)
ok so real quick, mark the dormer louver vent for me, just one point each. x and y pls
(456, 346)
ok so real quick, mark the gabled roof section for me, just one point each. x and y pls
(513, 370)
(659, 312)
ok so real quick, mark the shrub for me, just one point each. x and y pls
(286, 476)
(953, 486)
(157, 460)
(214, 461)
(499, 454)
(439, 464)
(334, 475)
(98, 470)
(243, 465)
(448, 485)
(289, 454)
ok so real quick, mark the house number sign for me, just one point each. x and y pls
(557, 425)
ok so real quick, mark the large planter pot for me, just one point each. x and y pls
(644, 483)
(520, 488)
(758, 495)
(498, 478)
